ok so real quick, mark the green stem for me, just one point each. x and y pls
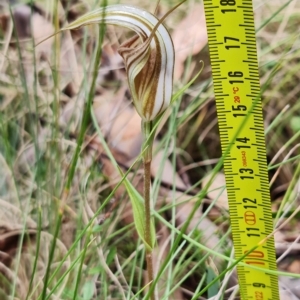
(51, 254)
(38, 244)
(79, 272)
(147, 158)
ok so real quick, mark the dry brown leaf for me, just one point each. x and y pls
(294, 267)
(69, 70)
(12, 218)
(25, 265)
(279, 237)
(217, 190)
(22, 14)
(189, 38)
(162, 167)
(289, 288)
(119, 122)
(27, 155)
(208, 229)
(71, 74)
(37, 26)
(287, 249)
(71, 113)
(42, 28)
(112, 65)
(11, 225)
(287, 295)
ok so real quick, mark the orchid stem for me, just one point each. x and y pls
(147, 158)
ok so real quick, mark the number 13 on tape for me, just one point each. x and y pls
(232, 45)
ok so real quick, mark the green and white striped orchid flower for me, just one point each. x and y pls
(148, 56)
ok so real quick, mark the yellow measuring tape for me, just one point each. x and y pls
(232, 45)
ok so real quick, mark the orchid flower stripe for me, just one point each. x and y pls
(148, 56)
